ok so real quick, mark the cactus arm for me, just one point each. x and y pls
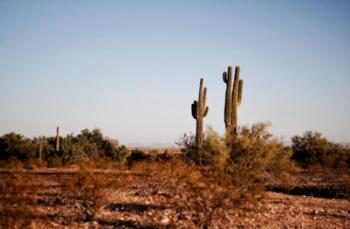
(206, 112)
(240, 91)
(194, 109)
(225, 77)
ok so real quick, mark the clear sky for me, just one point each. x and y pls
(132, 68)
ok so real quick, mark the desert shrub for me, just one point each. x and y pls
(87, 192)
(95, 136)
(71, 151)
(92, 144)
(337, 157)
(139, 155)
(14, 145)
(115, 152)
(74, 149)
(212, 152)
(313, 149)
(91, 150)
(187, 142)
(255, 157)
(246, 162)
(165, 156)
(195, 192)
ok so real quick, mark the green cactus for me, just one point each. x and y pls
(233, 100)
(200, 111)
(57, 147)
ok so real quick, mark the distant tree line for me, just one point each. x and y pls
(309, 149)
(73, 148)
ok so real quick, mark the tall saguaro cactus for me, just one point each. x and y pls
(200, 111)
(233, 100)
(57, 147)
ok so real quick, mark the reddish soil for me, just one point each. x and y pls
(140, 203)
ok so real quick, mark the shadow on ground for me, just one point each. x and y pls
(135, 208)
(67, 220)
(322, 192)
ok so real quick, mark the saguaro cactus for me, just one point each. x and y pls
(57, 147)
(41, 149)
(233, 100)
(199, 111)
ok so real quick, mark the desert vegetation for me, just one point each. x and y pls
(88, 146)
(245, 178)
(94, 181)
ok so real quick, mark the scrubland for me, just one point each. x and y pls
(252, 181)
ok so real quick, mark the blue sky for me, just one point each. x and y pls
(132, 68)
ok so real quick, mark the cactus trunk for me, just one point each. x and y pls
(227, 77)
(57, 147)
(233, 100)
(41, 150)
(199, 112)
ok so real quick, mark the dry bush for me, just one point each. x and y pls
(186, 142)
(203, 195)
(192, 192)
(18, 199)
(256, 157)
(88, 191)
(244, 163)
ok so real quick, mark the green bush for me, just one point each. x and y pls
(113, 151)
(74, 149)
(71, 151)
(16, 146)
(313, 149)
(212, 152)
